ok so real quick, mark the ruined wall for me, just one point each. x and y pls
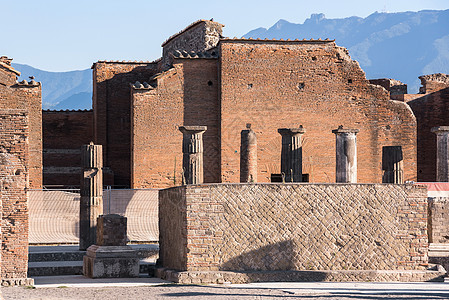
(431, 110)
(395, 87)
(281, 84)
(14, 125)
(64, 132)
(184, 95)
(438, 219)
(199, 36)
(245, 227)
(27, 96)
(112, 109)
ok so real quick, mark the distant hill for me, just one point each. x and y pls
(402, 45)
(61, 90)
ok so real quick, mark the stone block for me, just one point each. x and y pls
(110, 262)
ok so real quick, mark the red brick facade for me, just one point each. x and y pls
(431, 110)
(26, 96)
(64, 132)
(14, 154)
(224, 86)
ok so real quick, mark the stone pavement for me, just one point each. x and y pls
(79, 287)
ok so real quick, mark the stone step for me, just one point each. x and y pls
(58, 268)
(71, 253)
(56, 256)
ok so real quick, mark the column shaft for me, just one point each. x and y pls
(192, 153)
(346, 155)
(248, 156)
(91, 201)
(392, 164)
(442, 172)
(291, 153)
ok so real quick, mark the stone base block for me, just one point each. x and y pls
(110, 262)
(199, 277)
(17, 281)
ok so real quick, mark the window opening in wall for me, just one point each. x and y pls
(209, 83)
(349, 80)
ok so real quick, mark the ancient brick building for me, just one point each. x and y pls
(25, 96)
(205, 79)
(431, 109)
(20, 167)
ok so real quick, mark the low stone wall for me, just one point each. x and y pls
(293, 227)
(438, 220)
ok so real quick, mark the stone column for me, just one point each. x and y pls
(192, 153)
(291, 154)
(442, 133)
(392, 164)
(248, 155)
(346, 152)
(91, 202)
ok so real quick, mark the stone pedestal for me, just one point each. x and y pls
(442, 166)
(346, 155)
(291, 154)
(248, 155)
(91, 202)
(392, 164)
(110, 256)
(192, 150)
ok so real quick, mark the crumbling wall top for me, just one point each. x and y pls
(433, 82)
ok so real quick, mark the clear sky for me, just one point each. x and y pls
(62, 35)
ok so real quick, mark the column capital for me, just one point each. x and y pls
(292, 131)
(192, 129)
(440, 129)
(341, 130)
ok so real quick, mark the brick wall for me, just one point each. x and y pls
(438, 219)
(184, 95)
(431, 110)
(64, 132)
(112, 105)
(281, 84)
(27, 96)
(14, 125)
(244, 227)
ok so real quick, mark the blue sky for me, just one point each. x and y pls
(57, 35)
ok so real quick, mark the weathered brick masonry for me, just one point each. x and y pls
(14, 133)
(20, 167)
(64, 132)
(26, 96)
(112, 105)
(272, 227)
(278, 84)
(431, 110)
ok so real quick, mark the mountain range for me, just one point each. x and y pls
(61, 90)
(401, 46)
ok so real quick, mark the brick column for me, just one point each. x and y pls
(192, 153)
(346, 152)
(91, 202)
(392, 164)
(248, 155)
(291, 154)
(442, 133)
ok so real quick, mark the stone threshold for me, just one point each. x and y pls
(220, 277)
